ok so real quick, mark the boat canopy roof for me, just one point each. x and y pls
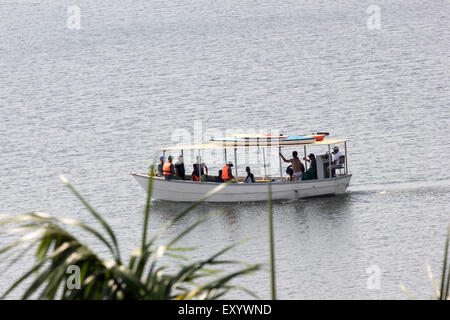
(251, 145)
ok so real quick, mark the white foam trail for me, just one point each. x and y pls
(400, 186)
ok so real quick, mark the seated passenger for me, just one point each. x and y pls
(195, 175)
(227, 174)
(250, 177)
(338, 161)
(311, 173)
(203, 168)
(179, 168)
(219, 177)
(169, 169)
(160, 166)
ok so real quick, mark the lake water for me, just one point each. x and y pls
(95, 103)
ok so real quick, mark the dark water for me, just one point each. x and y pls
(95, 103)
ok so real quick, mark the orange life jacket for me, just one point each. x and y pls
(225, 174)
(166, 169)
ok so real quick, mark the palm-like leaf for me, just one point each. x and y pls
(445, 279)
(441, 293)
(143, 278)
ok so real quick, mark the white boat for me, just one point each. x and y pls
(282, 188)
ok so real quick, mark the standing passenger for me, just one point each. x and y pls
(297, 165)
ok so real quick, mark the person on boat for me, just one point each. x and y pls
(297, 165)
(250, 177)
(227, 173)
(160, 166)
(311, 173)
(203, 168)
(338, 161)
(290, 172)
(195, 175)
(169, 169)
(219, 177)
(179, 168)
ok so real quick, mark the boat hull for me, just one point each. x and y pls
(187, 191)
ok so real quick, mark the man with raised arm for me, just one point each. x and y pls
(297, 165)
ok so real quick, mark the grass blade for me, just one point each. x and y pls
(444, 281)
(271, 243)
(147, 206)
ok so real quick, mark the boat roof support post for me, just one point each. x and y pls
(346, 164)
(306, 162)
(330, 173)
(264, 160)
(199, 166)
(225, 155)
(281, 165)
(235, 162)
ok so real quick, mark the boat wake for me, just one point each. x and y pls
(442, 185)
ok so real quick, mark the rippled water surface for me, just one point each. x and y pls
(97, 102)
